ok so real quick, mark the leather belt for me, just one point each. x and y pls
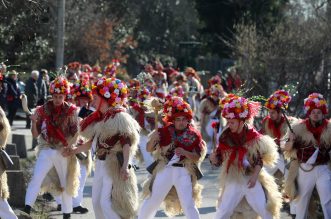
(178, 165)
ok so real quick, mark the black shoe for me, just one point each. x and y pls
(47, 195)
(27, 209)
(58, 208)
(66, 216)
(80, 209)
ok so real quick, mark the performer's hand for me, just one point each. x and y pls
(292, 137)
(252, 181)
(67, 151)
(214, 159)
(124, 172)
(180, 152)
(34, 117)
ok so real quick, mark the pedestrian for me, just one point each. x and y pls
(179, 150)
(13, 95)
(3, 86)
(56, 125)
(309, 149)
(210, 112)
(43, 86)
(242, 151)
(32, 94)
(82, 96)
(6, 212)
(113, 137)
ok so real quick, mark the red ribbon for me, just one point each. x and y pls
(141, 115)
(234, 150)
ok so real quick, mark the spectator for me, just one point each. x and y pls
(233, 81)
(13, 96)
(32, 94)
(3, 86)
(43, 85)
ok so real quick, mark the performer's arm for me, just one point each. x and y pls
(34, 129)
(124, 169)
(154, 139)
(81, 148)
(257, 165)
(252, 181)
(190, 155)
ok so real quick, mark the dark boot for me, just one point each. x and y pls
(27, 209)
(66, 216)
(80, 209)
(59, 207)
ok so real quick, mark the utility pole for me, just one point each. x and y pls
(60, 33)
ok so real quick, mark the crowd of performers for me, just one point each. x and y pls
(95, 118)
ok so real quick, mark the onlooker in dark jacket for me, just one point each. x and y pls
(3, 86)
(32, 94)
(13, 96)
(42, 83)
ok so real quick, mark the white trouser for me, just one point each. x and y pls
(164, 180)
(319, 176)
(6, 212)
(101, 192)
(77, 201)
(148, 159)
(280, 165)
(234, 192)
(46, 160)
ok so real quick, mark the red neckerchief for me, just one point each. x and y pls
(275, 127)
(53, 131)
(97, 116)
(141, 115)
(317, 131)
(233, 143)
(112, 112)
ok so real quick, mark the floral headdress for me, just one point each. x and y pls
(226, 99)
(110, 70)
(84, 76)
(87, 68)
(240, 108)
(176, 91)
(279, 99)
(134, 83)
(175, 107)
(96, 69)
(74, 66)
(214, 80)
(60, 85)
(81, 88)
(112, 89)
(315, 101)
(143, 94)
